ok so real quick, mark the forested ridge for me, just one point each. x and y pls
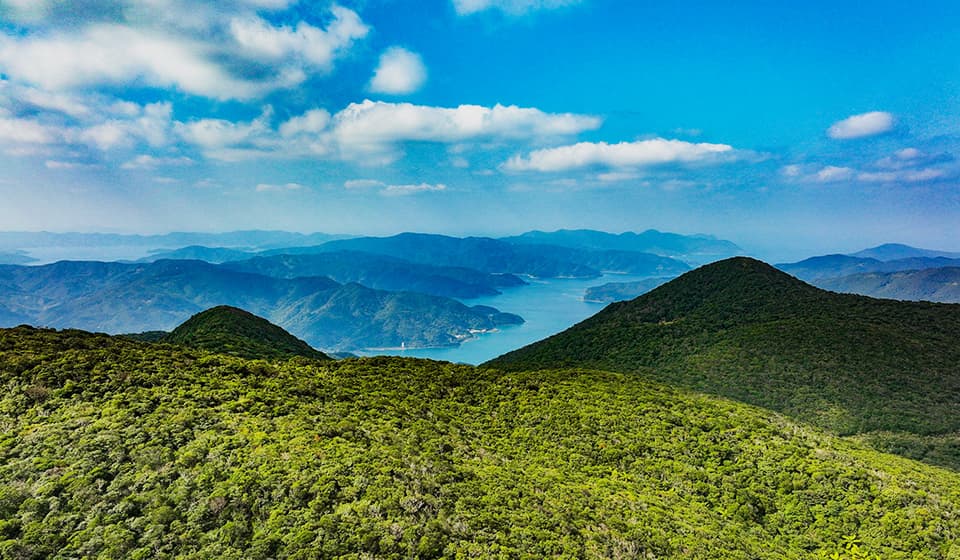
(112, 448)
(886, 371)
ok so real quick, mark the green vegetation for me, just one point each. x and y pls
(228, 330)
(116, 449)
(742, 329)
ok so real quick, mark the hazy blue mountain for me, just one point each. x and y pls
(894, 251)
(381, 272)
(16, 257)
(198, 252)
(496, 256)
(815, 269)
(121, 298)
(622, 291)
(932, 284)
(247, 239)
(691, 248)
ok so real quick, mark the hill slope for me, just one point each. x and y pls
(742, 329)
(117, 449)
(894, 251)
(229, 330)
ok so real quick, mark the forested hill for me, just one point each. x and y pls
(229, 330)
(739, 328)
(117, 449)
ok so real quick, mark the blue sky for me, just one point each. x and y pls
(819, 126)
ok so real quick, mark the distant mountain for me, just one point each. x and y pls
(495, 256)
(122, 298)
(834, 266)
(622, 291)
(247, 239)
(933, 284)
(894, 251)
(16, 257)
(381, 272)
(742, 329)
(690, 248)
(229, 330)
(198, 252)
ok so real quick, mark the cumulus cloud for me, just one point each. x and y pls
(405, 190)
(625, 154)
(833, 173)
(262, 41)
(512, 7)
(171, 44)
(860, 126)
(399, 72)
(374, 126)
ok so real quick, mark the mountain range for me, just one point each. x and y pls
(121, 297)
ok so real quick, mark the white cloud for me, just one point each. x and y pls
(833, 173)
(317, 47)
(313, 121)
(617, 176)
(182, 45)
(625, 154)
(151, 124)
(400, 72)
(363, 184)
(404, 190)
(220, 133)
(287, 187)
(907, 176)
(148, 162)
(860, 126)
(374, 126)
(512, 7)
(69, 165)
(27, 131)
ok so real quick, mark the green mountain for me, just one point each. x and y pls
(117, 449)
(688, 248)
(229, 330)
(125, 298)
(933, 284)
(883, 370)
(496, 256)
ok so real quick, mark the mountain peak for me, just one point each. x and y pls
(230, 330)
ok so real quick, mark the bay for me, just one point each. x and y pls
(548, 306)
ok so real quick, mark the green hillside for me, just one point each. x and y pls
(118, 449)
(229, 330)
(884, 370)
